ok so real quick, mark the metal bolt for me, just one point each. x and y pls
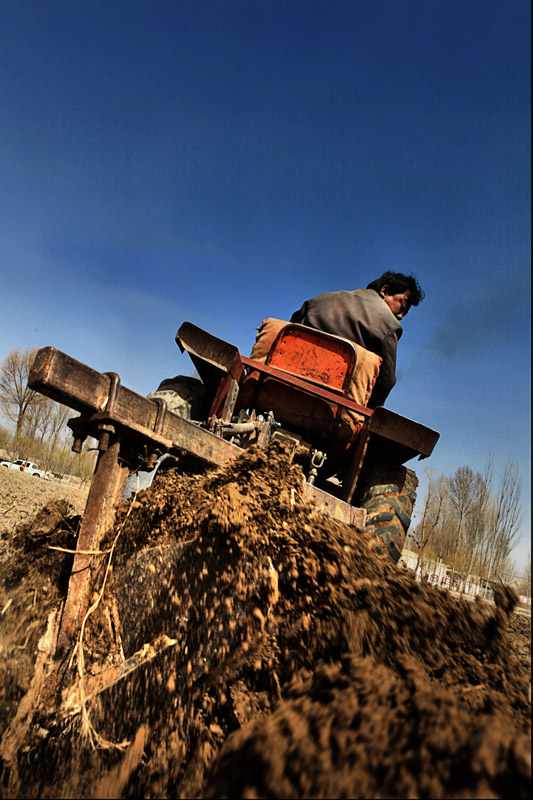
(77, 444)
(104, 435)
(151, 461)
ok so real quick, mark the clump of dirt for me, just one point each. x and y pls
(288, 661)
(520, 636)
(32, 583)
(358, 728)
(22, 496)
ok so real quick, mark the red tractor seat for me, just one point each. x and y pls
(323, 360)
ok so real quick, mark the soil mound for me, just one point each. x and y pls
(281, 659)
(22, 496)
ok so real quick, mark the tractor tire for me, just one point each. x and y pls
(389, 495)
(185, 397)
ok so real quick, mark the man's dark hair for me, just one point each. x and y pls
(399, 283)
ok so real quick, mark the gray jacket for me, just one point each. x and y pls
(363, 317)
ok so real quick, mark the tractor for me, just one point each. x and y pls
(299, 386)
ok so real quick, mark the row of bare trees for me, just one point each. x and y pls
(41, 432)
(469, 524)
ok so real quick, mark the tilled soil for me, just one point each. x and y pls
(295, 663)
(22, 496)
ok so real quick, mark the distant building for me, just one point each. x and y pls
(438, 573)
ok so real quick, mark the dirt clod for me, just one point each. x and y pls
(280, 657)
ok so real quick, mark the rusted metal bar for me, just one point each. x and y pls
(122, 420)
(228, 389)
(72, 383)
(106, 490)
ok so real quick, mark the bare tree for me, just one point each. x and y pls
(476, 528)
(37, 418)
(15, 397)
(432, 513)
(524, 582)
(505, 518)
(464, 490)
(58, 422)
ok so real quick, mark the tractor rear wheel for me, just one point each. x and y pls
(389, 494)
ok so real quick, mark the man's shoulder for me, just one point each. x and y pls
(367, 296)
(353, 299)
(363, 307)
(348, 295)
(378, 311)
(360, 295)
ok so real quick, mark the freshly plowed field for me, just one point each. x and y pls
(295, 664)
(22, 496)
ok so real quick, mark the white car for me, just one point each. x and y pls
(29, 467)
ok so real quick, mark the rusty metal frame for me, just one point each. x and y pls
(381, 421)
(121, 420)
(405, 432)
(106, 491)
(140, 420)
(228, 389)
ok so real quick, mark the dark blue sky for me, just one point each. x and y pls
(224, 161)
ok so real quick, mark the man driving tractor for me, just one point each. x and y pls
(359, 452)
(369, 317)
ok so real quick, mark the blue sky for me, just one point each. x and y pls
(223, 161)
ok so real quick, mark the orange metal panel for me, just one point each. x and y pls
(311, 354)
